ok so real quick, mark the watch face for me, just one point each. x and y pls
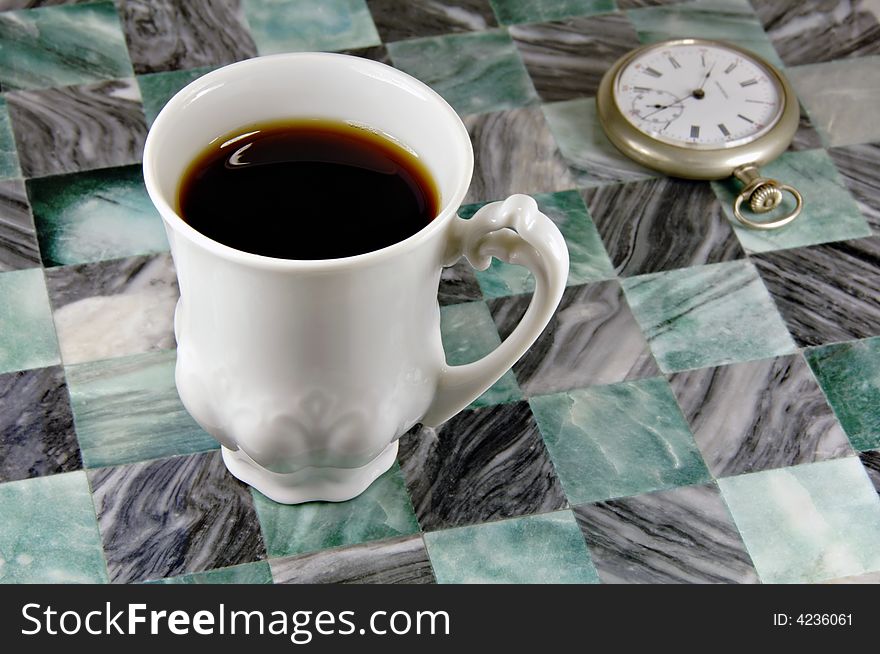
(703, 96)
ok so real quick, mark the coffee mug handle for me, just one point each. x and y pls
(514, 231)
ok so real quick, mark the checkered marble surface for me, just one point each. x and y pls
(704, 407)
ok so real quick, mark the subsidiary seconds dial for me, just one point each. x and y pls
(698, 95)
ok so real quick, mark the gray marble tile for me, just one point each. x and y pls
(30, 4)
(36, 425)
(375, 52)
(18, 236)
(759, 415)
(807, 137)
(826, 293)
(480, 465)
(661, 224)
(395, 561)
(396, 20)
(823, 30)
(113, 308)
(859, 165)
(871, 462)
(178, 34)
(514, 152)
(174, 516)
(592, 339)
(567, 59)
(458, 284)
(685, 535)
(78, 127)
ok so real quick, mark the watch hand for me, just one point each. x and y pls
(709, 72)
(674, 102)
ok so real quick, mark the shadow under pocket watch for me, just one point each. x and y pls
(704, 109)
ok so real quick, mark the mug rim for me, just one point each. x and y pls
(174, 221)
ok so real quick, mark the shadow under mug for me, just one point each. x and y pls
(308, 372)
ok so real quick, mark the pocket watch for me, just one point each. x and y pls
(704, 109)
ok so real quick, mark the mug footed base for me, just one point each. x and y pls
(309, 484)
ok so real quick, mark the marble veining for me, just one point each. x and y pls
(514, 153)
(474, 72)
(311, 25)
(807, 137)
(480, 465)
(174, 516)
(49, 533)
(375, 52)
(27, 336)
(759, 415)
(247, 573)
(826, 293)
(840, 95)
(96, 215)
(401, 560)
(811, 32)
(397, 21)
(661, 224)
(807, 523)
(829, 213)
(36, 425)
(871, 462)
(567, 59)
(583, 144)
(726, 20)
(127, 409)
(158, 88)
(534, 11)
(18, 237)
(538, 549)
(382, 511)
(706, 316)
(77, 128)
(114, 308)
(618, 440)
(177, 34)
(591, 339)
(8, 154)
(849, 373)
(588, 260)
(61, 46)
(469, 334)
(859, 167)
(458, 284)
(684, 535)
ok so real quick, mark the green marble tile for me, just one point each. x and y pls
(27, 333)
(469, 333)
(8, 154)
(841, 98)
(50, 534)
(510, 12)
(727, 20)
(830, 213)
(158, 88)
(94, 216)
(539, 549)
(588, 260)
(62, 46)
(476, 73)
(384, 510)
(594, 161)
(128, 410)
(618, 440)
(849, 373)
(807, 523)
(303, 25)
(707, 316)
(249, 573)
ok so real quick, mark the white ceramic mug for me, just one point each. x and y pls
(308, 372)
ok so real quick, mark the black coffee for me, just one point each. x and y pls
(307, 189)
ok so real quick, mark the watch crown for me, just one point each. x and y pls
(765, 198)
